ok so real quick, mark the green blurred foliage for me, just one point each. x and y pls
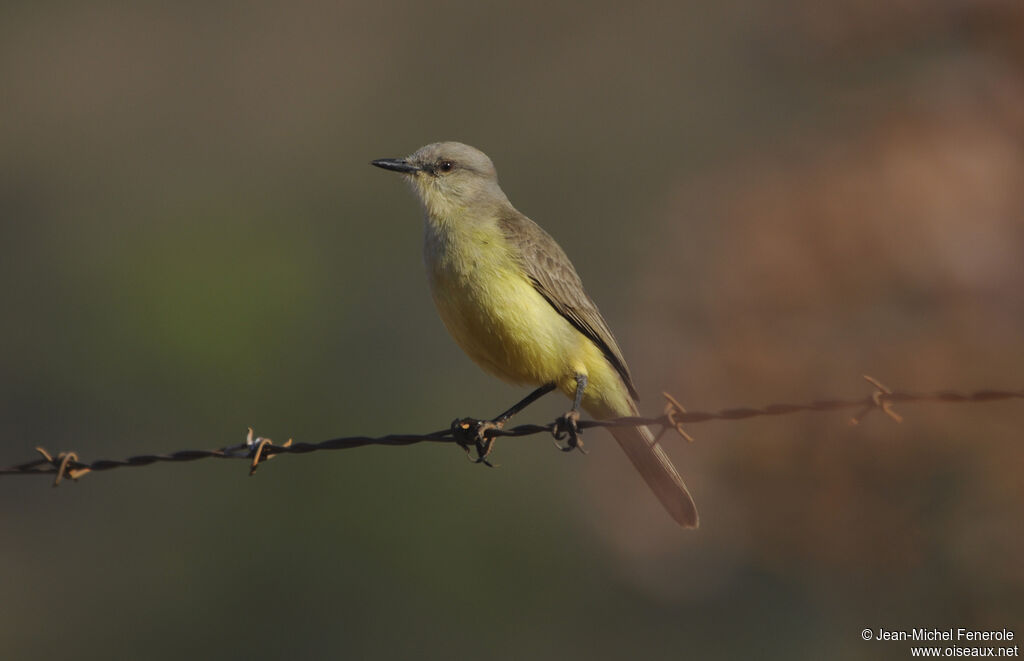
(767, 200)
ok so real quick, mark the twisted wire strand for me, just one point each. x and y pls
(257, 450)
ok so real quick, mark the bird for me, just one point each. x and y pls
(512, 300)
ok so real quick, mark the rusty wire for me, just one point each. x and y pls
(257, 450)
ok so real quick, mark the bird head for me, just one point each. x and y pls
(449, 177)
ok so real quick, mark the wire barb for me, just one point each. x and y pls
(471, 434)
(673, 409)
(568, 426)
(65, 464)
(259, 445)
(880, 399)
(470, 431)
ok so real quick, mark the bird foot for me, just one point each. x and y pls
(471, 434)
(567, 426)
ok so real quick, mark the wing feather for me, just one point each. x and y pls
(555, 278)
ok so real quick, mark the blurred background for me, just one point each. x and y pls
(766, 200)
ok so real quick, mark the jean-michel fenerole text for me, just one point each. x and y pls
(944, 634)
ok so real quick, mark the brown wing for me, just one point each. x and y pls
(556, 280)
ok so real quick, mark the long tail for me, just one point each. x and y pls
(657, 470)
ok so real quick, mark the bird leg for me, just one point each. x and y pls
(522, 404)
(568, 424)
(472, 431)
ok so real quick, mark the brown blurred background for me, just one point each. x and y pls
(767, 200)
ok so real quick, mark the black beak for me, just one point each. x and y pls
(396, 164)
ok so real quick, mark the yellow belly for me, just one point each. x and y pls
(503, 323)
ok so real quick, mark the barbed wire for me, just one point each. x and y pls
(479, 435)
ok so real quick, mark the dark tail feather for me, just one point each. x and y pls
(657, 470)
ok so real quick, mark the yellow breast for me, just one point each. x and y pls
(497, 316)
(503, 323)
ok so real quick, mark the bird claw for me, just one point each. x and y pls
(470, 434)
(567, 426)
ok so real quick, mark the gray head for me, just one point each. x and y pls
(449, 177)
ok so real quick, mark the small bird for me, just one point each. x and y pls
(512, 300)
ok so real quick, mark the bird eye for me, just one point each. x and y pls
(445, 166)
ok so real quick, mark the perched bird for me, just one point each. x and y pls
(512, 300)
